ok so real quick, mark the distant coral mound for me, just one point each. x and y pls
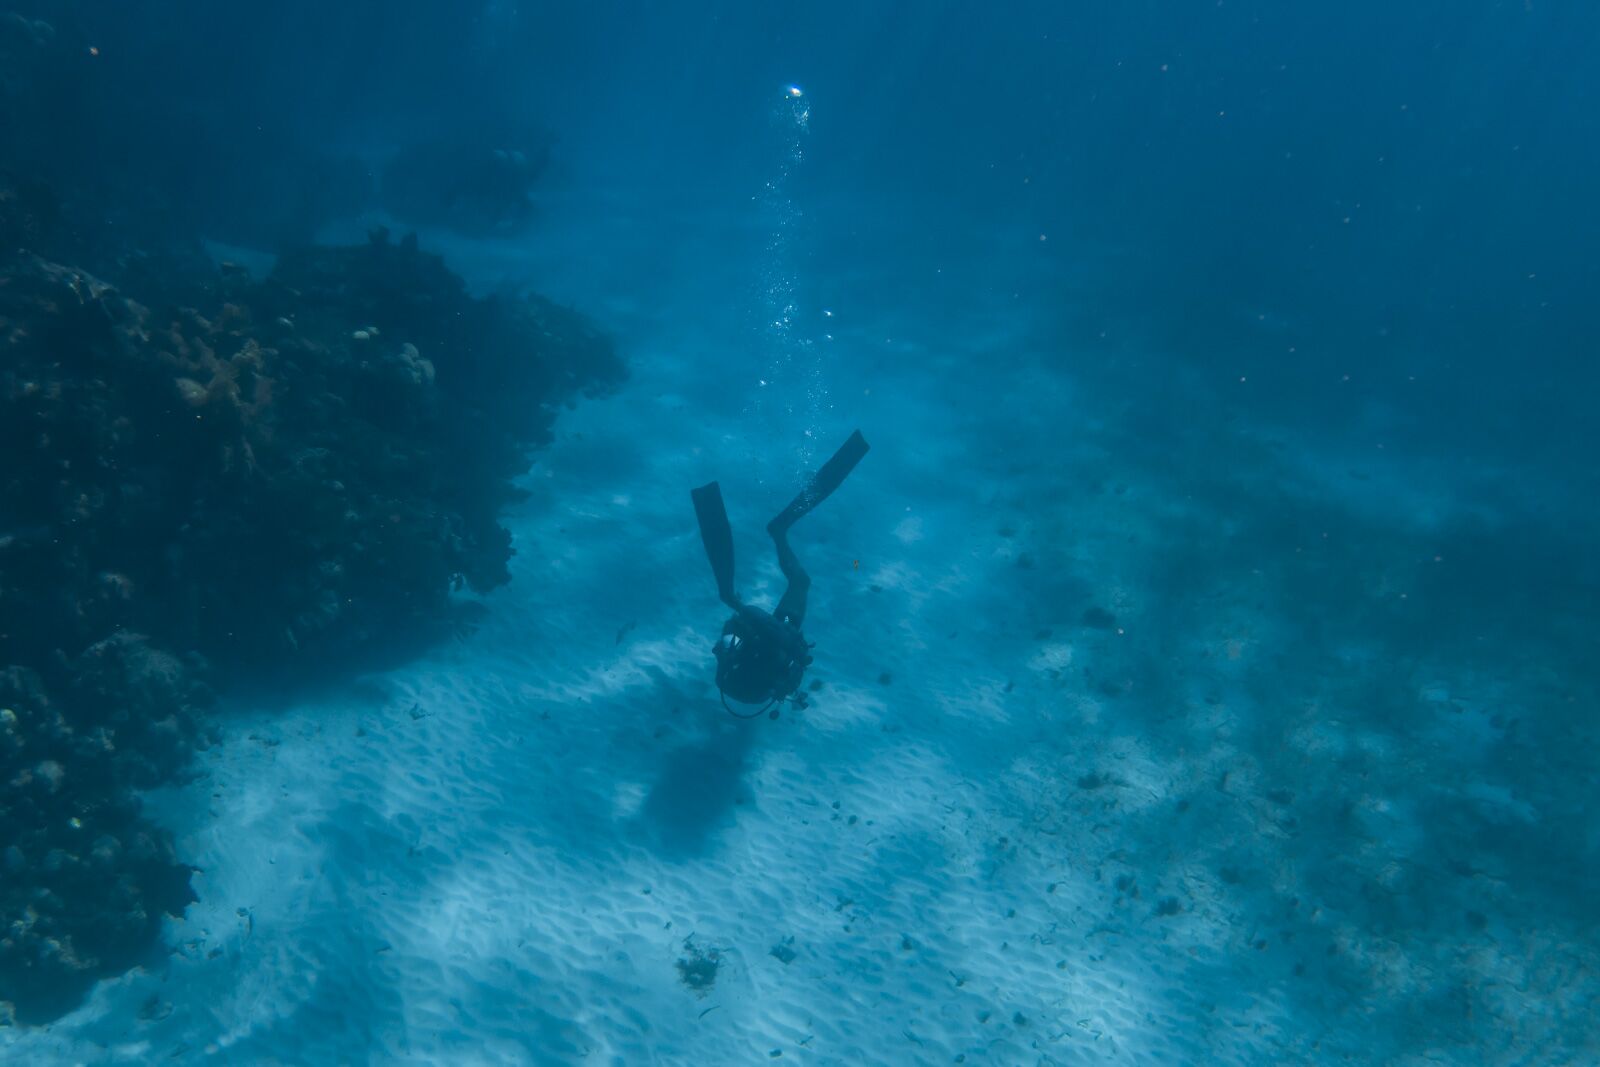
(471, 181)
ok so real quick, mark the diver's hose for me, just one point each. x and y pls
(753, 715)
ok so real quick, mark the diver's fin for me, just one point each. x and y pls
(718, 538)
(822, 483)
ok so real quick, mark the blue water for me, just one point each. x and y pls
(1208, 646)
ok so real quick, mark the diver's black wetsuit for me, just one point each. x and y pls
(761, 656)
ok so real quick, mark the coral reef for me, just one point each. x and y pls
(280, 475)
(210, 480)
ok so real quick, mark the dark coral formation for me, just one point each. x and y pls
(698, 966)
(86, 880)
(293, 449)
(272, 474)
(304, 467)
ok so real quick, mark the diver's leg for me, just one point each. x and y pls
(792, 607)
(823, 483)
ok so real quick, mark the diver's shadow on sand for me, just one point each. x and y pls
(700, 785)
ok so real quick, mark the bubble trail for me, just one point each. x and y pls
(791, 383)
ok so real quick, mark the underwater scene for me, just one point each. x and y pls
(1033, 533)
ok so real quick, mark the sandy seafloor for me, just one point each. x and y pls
(991, 838)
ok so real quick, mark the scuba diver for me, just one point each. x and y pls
(761, 656)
